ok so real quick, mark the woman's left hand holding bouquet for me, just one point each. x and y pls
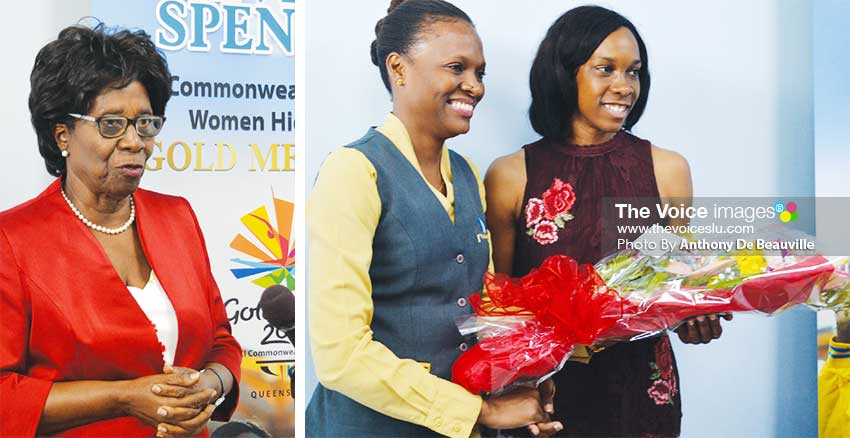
(702, 329)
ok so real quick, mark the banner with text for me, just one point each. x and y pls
(228, 147)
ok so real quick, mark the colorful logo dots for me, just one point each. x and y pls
(787, 212)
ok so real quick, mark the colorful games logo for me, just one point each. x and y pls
(274, 263)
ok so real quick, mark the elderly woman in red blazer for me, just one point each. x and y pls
(112, 324)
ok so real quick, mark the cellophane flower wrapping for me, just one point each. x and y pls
(659, 293)
(527, 326)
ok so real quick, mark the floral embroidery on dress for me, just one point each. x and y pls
(663, 387)
(546, 215)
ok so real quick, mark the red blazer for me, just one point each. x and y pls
(67, 315)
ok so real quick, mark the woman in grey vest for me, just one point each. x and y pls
(398, 241)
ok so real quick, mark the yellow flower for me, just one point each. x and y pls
(750, 262)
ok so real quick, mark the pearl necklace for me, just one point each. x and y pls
(100, 228)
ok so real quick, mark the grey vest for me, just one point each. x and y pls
(423, 268)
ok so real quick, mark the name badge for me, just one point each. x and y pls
(484, 234)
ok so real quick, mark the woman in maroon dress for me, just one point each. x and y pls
(589, 85)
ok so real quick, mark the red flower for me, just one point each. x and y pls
(559, 199)
(546, 232)
(660, 392)
(664, 358)
(533, 212)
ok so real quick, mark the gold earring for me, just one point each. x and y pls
(65, 153)
(400, 82)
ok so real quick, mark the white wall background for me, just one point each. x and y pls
(831, 91)
(832, 132)
(731, 91)
(26, 30)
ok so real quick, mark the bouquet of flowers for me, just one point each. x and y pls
(659, 293)
(527, 326)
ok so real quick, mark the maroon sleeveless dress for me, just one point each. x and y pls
(631, 388)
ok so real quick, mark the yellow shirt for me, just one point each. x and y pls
(342, 215)
(834, 393)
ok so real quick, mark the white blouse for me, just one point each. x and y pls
(157, 307)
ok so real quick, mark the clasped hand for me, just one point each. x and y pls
(178, 402)
(522, 407)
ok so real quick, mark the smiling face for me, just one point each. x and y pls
(108, 166)
(608, 87)
(443, 79)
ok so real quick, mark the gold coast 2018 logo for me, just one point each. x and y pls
(274, 263)
(270, 263)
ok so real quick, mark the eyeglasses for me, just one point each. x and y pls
(112, 126)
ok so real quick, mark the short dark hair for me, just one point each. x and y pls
(402, 26)
(70, 72)
(568, 44)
